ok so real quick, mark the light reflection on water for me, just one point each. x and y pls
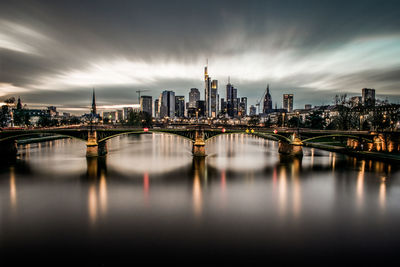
(149, 186)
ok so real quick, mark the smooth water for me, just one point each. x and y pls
(149, 200)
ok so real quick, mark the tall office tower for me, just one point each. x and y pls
(156, 108)
(243, 106)
(194, 96)
(223, 106)
(180, 106)
(288, 102)
(167, 104)
(267, 102)
(207, 92)
(146, 104)
(368, 97)
(253, 110)
(214, 101)
(231, 100)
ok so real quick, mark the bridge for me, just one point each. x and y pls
(290, 141)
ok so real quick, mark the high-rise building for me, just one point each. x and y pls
(194, 96)
(243, 107)
(307, 106)
(146, 104)
(201, 108)
(223, 106)
(156, 108)
(231, 100)
(167, 104)
(180, 106)
(288, 102)
(368, 97)
(126, 112)
(253, 110)
(207, 92)
(267, 102)
(214, 100)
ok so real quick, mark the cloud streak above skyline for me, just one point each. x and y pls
(53, 52)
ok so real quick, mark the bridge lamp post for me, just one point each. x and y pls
(298, 123)
(361, 118)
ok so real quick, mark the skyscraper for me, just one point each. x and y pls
(207, 91)
(368, 97)
(243, 106)
(231, 94)
(146, 104)
(167, 104)
(194, 96)
(213, 101)
(156, 108)
(267, 102)
(288, 102)
(179, 106)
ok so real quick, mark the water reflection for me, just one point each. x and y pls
(97, 189)
(150, 188)
(13, 190)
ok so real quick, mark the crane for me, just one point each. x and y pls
(259, 101)
(138, 92)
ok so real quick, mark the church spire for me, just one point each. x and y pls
(94, 111)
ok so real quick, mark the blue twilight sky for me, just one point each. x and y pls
(54, 52)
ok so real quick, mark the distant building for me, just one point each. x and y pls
(243, 107)
(126, 111)
(253, 110)
(146, 104)
(201, 109)
(223, 106)
(288, 102)
(52, 110)
(156, 108)
(214, 99)
(180, 106)
(194, 96)
(307, 106)
(207, 92)
(167, 104)
(368, 97)
(267, 108)
(120, 115)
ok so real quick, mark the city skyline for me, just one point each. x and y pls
(55, 53)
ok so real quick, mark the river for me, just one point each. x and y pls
(149, 200)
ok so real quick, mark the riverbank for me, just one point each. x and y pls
(40, 139)
(393, 157)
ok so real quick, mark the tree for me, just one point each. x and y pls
(4, 116)
(22, 117)
(254, 120)
(347, 118)
(142, 119)
(315, 120)
(294, 122)
(44, 121)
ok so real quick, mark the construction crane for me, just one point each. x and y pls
(259, 101)
(138, 92)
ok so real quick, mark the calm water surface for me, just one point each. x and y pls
(149, 200)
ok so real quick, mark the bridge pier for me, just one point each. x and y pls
(199, 145)
(92, 148)
(8, 149)
(294, 148)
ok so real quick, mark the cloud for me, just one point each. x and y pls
(50, 49)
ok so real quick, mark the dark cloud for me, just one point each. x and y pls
(65, 36)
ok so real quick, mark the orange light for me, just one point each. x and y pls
(223, 130)
(275, 131)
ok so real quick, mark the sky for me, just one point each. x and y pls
(55, 52)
